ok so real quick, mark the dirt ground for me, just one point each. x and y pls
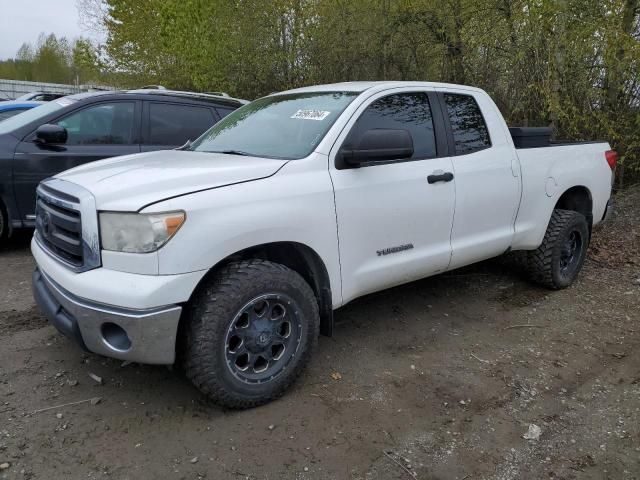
(438, 379)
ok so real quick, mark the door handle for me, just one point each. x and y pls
(443, 177)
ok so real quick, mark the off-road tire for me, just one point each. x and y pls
(210, 314)
(544, 263)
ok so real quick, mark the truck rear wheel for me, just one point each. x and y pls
(251, 331)
(556, 263)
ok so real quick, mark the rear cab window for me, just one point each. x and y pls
(468, 127)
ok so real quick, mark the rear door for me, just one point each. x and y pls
(170, 125)
(96, 131)
(486, 177)
(394, 225)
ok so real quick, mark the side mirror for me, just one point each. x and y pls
(50, 133)
(378, 144)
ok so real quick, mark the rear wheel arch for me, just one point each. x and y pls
(558, 260)
(577, 199)
(299, 258)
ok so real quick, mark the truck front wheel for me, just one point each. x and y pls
(556, 263)
(250, 332)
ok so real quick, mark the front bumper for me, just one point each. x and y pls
(129, 291)
(144, 336)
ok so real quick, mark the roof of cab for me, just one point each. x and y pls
(360, 87)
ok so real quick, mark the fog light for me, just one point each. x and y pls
(115, 336)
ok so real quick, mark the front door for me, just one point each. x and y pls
(95, 132)
(394, 226)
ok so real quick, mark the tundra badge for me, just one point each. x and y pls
(387, 251)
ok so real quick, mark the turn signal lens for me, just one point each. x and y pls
(173, 223)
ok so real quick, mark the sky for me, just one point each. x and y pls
(23, 20)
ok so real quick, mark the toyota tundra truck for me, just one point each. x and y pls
(231, 254)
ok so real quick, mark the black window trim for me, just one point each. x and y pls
(229, 110)
(439, 129)
(447, 122)
(146, 137)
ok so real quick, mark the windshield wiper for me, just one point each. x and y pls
(236, 152)
(243, 154)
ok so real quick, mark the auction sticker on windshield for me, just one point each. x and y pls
(311, 114)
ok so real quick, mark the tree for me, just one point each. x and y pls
(86, 62)
(574, 64)
(56, 60)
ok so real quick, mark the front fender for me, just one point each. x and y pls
(295, 205)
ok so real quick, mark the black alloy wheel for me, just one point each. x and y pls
(263, 338)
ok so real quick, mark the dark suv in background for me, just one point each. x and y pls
(82, 128)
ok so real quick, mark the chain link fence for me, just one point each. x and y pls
(12, 89)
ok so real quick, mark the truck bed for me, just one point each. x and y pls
(539, 137)
(548, 172)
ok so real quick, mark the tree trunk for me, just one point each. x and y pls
(614, 84)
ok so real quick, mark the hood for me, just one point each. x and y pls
(130, 182)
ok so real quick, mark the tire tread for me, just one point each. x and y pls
(208, 308)
(539, 262)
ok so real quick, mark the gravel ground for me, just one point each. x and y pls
(438, 379)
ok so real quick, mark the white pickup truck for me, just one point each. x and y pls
(233, 252)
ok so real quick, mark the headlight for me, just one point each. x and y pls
(138, 232)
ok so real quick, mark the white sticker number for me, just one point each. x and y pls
(311, 114)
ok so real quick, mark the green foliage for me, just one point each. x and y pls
(86, 61)
(54, 60)
(572, 64)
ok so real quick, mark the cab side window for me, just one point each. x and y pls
(101, 124)
(406, 111)
(470, 132)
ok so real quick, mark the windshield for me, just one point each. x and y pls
(26, 96)
(4, 114)
(286, 126)
(22, 119)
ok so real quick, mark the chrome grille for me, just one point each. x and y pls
(60, 230)
(66, 224)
